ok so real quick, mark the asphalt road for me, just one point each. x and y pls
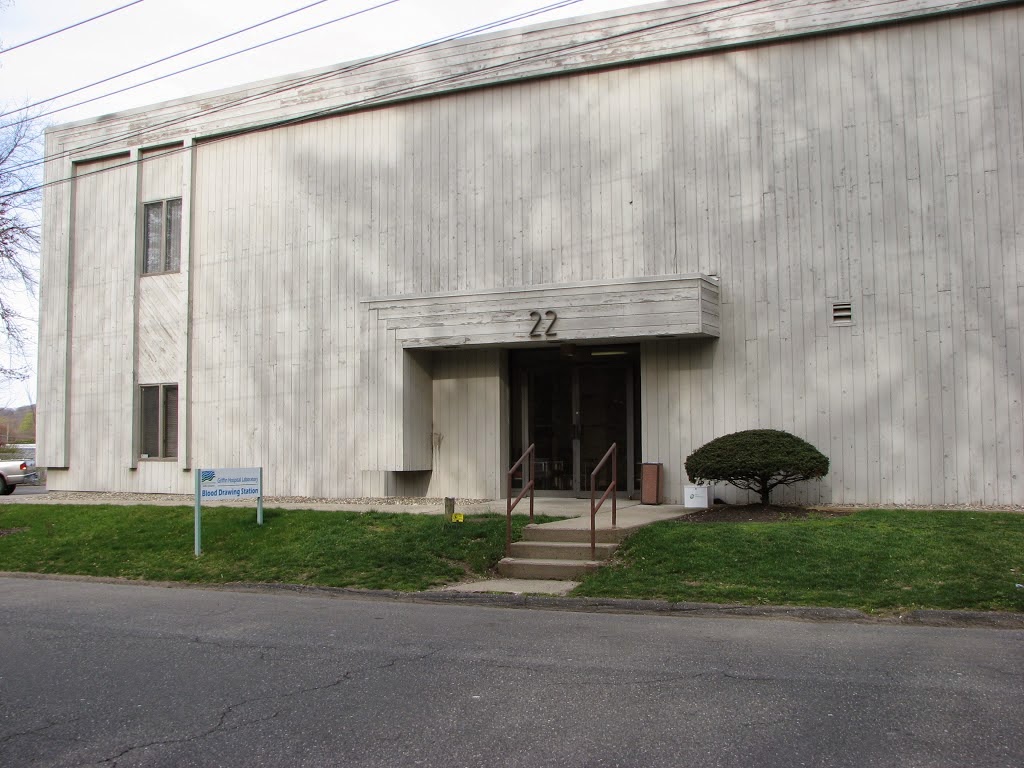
(126, 675)
(29, 490)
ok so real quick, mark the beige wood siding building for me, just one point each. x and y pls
(655, 226)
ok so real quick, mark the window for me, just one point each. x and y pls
(159, 421)
(162, 237)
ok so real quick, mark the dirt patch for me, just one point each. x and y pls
(758, 513)
(9, 531)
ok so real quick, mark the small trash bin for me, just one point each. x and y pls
(696, 496)
(650, 484)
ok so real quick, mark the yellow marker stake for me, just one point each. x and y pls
(458, 517)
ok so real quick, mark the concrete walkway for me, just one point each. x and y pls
(630, 515)
(515, 587)
(553, 507)
(413, 506)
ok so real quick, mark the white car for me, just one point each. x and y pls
(13, 473)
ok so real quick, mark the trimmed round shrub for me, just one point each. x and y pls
(757, 460)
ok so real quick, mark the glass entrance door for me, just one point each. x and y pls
(549, 396)
(573, 403)
(604, 395)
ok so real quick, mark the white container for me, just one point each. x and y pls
(696, 496)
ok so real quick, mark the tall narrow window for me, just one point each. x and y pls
(159, 408)
(162, 237)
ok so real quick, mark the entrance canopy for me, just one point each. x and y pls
(398, 332)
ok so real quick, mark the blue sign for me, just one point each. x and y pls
(243, 483)
(227, 485)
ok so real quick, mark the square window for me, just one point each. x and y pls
(162, 237)
(159, 421)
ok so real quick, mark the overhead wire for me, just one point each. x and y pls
(390, 95)
(154, 63)
(218, 58)
(371, 100)
(414, 87)
(297, 82)
(70, 26)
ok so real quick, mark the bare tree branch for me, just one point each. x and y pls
(19, 240)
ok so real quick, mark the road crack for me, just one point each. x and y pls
(34, 731)
(222, 725)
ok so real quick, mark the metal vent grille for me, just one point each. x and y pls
(842, 313)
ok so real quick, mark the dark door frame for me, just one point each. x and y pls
(580, 482)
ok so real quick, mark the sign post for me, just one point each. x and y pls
(199, 518)
(227, 484)
(259, 501)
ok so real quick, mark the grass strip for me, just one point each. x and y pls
(340, 549)
(872, 560)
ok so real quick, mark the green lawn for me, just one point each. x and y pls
(340, 549)
(873, 560)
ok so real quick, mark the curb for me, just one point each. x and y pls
(920, 617)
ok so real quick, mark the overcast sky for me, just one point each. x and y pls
(152, 29)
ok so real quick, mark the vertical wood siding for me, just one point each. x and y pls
(882, 172)
(102, 325)
(883, 167)
(470, 411)
(113, 345)
(54, 310)
(162, 319)
(162, 298)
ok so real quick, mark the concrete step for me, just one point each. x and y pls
(561, 550)
(579, 535)
(540, 568)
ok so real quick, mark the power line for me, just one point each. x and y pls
(70, 26)
(296, 83)
(147, 66)
(211, 61)
(371, 100)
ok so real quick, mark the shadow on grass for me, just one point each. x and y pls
(872, 560)
(368, 550)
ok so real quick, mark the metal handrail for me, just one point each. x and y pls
(532, 453)
(613, 453)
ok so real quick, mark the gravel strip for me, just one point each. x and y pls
(924, 507)
(393, 502)
(420, 503)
